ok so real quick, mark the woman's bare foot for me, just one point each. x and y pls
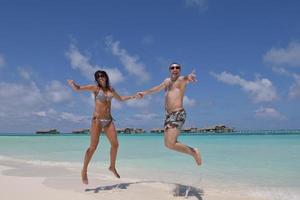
(84, 177)
(114, 171)
(197, 156)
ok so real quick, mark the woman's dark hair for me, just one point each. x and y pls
(102, 73)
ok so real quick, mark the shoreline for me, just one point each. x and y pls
(23, 181)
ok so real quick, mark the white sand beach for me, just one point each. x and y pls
(28, 181)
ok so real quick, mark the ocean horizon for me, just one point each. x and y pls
(147, 132)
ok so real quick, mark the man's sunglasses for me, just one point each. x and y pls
(172, 68)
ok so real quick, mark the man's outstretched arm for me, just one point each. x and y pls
(154, 89)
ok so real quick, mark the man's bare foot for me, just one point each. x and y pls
(114, 171)
(84, 177)
(197, 156)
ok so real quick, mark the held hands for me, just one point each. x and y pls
(140, 95)
(134, 97)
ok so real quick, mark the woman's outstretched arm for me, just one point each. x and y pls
(122, 98)
(81, 87)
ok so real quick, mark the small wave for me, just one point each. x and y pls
(272, 193)
(8, 159)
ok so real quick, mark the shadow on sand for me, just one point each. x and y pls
(187, 191)
(179, 190)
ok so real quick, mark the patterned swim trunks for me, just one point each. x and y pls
(175, 119)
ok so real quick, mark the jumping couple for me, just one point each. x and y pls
(102, 120)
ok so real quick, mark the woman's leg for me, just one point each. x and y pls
(113, 139)
(94, 140)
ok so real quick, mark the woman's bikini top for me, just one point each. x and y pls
(103, 97)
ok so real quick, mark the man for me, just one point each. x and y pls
(175, 113)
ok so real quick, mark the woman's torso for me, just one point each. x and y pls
(103, 103)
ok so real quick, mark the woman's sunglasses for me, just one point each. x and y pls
(102, 76)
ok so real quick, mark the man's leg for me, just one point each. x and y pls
(171, 142)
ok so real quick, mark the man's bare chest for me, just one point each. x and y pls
(174, 86)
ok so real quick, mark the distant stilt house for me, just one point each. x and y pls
(81, 131)
(130, 130)
(156, 130)
(189, 130)
(211, 129)
(216, 129)
(120, 130)
(50, 131)
(139, 130)
(223, 129)
(127, 130)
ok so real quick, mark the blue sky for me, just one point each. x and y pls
(246, 55)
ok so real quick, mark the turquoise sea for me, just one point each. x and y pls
(262, 164)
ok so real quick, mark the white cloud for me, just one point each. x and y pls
(139, 103)
(18, 96)
(18, 101)
(295, 88)
(73, 118)
(131, 63)
(202, 4)
(2, 61)
(282, 58)
(2, 114)
(146, 116)
(281, 70)
(57, 92)
(147, 39)
(115, 75)
(115, 104)
(25, 100)
(50, 113)
(24, 73)
(268, 113)
(40, 114)
(289, 56)
(261, 90)
(25, 107)
(188, 102)
(81, 63)
(91, 100)
(62, 116)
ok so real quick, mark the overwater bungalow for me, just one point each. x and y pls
(189, 130)
(216, 129)
(130, 130)
(50, 131)
(81, 131)
(156, 130)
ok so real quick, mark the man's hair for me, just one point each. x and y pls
(174, 64)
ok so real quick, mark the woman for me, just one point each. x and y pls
(102, 119)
